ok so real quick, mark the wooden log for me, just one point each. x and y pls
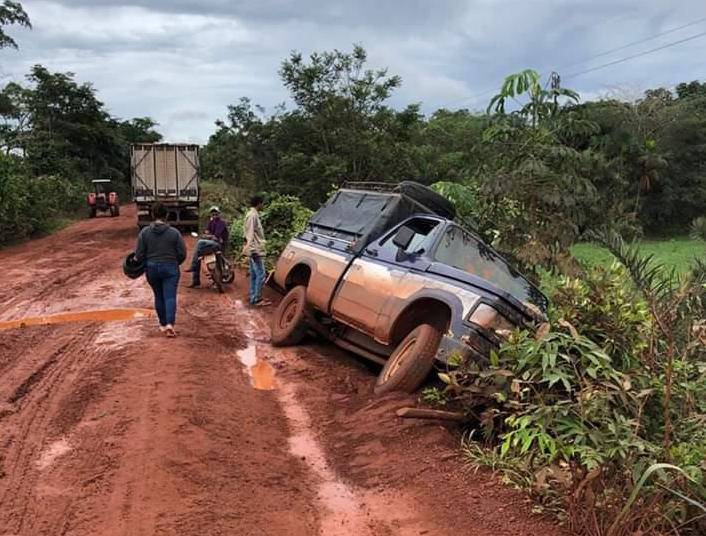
(421, 413)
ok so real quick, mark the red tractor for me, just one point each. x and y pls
(102, 199)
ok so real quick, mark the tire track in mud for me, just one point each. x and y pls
(345, 509)
(34, 424)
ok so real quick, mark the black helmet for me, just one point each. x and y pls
(132, 267)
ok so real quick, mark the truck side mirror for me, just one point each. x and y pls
(403, 237)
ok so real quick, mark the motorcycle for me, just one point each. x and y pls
(219, 269)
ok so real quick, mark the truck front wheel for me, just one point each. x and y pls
(411, 362)
(289, 321)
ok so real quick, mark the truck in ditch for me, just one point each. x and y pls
(168, 173)
(388, 274)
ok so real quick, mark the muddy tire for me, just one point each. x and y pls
(411, 362)
(218, 277)
(228, 279)
(289, 321)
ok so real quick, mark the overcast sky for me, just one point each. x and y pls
(182, 61)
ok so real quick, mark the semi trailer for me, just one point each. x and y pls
(168, 173)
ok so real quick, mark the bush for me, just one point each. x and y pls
(614, 385)
(31, 205)
(229, 199)
(698, 228)
(283, 217)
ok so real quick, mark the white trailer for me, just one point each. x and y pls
(168, 173)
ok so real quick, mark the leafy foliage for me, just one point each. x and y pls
(29, 204)
(283, 217)
(56, 136)
(11, 12)
(583, 407)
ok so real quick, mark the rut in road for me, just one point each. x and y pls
(109, 428)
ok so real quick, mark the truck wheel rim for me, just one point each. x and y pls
(399, 358)
(289, 313)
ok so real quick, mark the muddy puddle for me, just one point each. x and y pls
(262, 374)
(101, 315)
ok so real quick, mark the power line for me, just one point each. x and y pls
(638, 55)
(638, 42)
(600, 55)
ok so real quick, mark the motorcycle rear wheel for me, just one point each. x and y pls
(218, 277)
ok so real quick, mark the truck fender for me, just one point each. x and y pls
(299, 274)
(427, 304)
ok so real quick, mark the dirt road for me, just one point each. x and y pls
(107, 428)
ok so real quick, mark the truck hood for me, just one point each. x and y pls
(533, 304)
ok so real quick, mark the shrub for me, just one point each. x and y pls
(283, 217)
(229, 199)
(698, 228)
(599, 397)
(30, 205)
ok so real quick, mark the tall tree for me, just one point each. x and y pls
(11, 13)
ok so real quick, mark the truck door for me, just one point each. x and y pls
(370, 282)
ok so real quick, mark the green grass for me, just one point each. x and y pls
(676, 252)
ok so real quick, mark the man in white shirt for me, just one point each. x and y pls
(255, 250)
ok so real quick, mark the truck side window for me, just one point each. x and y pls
(420, 243)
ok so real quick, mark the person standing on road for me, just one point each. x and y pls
(255, 250)
(216, 235)
(162, 249)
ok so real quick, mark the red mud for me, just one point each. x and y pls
(112, 429)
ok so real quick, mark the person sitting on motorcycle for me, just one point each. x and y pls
(216, 235)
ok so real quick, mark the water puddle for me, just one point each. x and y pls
(56, 449)
(101, 315)
(262, 374)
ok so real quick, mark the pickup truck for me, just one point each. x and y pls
(388, 274)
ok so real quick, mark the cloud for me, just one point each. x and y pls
(183, 61)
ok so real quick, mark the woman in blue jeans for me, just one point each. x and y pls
(162, 249)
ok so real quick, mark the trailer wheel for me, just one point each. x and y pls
(411, 362)
(289, 321)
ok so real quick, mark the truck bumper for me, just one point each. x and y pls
(454, 349)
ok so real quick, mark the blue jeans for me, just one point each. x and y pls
(201, 245)
(163, 277)
(257, 278)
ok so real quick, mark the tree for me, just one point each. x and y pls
(140, 130)
(540, 103)
(11, 13)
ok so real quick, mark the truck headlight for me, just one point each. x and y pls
(487, 317)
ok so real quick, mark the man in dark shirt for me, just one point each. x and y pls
(216, 236)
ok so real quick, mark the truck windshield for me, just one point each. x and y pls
(463, 251)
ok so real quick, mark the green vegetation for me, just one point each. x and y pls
(600, 411)
(677, 253)
(55, 136)
(283, 217)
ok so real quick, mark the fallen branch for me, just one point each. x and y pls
(420, 413)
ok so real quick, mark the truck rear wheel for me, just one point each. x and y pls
(411, 362)
(289, 321)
